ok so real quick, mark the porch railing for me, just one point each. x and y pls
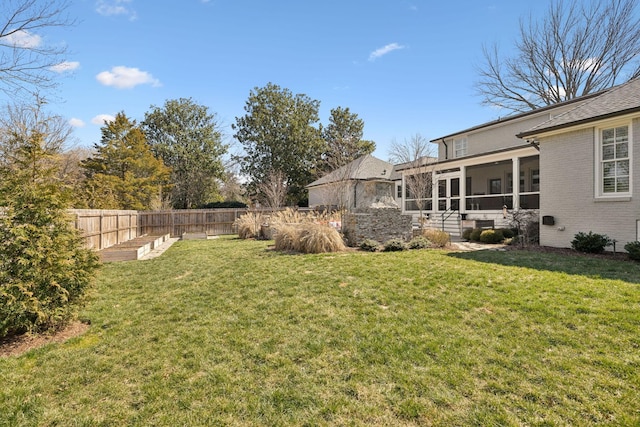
(444, 216)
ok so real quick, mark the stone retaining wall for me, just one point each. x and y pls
(379, 224)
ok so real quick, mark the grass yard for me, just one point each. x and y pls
(229, 333)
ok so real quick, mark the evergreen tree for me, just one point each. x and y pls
(44, 269)
(343, 136)
(188, 139)
(124, 173)
(278, 136)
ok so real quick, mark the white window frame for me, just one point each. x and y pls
(599, 178)
(460, 147)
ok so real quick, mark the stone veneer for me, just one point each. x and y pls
(379, 224)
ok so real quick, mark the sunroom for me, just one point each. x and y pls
(476, 187)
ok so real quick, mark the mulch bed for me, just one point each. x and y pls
(618, 256)
(20, 344)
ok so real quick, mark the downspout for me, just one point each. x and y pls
(446, 149)
(355, 195)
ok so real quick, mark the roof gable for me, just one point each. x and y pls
(363, 168)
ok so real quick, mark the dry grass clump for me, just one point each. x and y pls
(438, 238)
(308, 238)
(317, 238)
(286, 238)
(249, 225)
(293, 216)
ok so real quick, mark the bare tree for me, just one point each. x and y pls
(19, 121)
(416, 155)
(273, 190)
(580, 47)
(27, 62)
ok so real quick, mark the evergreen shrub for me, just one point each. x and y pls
(475, 234)
(590, 242)
(491, 236)
(393, 245)
(633, 249)
(369, 245)
(419, 242)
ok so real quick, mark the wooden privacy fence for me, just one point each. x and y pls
(105, 228)
(178, 222)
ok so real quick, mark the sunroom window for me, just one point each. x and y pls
(615, 169)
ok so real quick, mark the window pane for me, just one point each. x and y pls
(623, 184)
(609, 185)
(607, 152)
(495, 186)
(607, 136)
(622, 134)
(608, 169)
(622, 168)
(622, 150)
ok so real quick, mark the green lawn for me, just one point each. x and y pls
(227, 332)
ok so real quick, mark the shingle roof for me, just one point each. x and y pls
(517, 116)
(617, 101)
(364, 168)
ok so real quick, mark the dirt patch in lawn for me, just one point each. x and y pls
(20, 344)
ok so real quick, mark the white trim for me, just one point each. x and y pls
(587, 125)
(599, 194)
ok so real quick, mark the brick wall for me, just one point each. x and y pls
(567, 163)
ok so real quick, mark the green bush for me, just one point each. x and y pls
(226, 204)
(393, 245)
(45, 270)
(633, 248)
(507, 233)
(474, 236)
(590, 242)
(466, 233)
(369, 245)
(419, 242)
(491, 236)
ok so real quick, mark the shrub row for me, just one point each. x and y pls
(428, 239)
(487, 235)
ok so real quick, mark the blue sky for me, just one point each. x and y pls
(405, 67)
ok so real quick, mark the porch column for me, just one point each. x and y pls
(463, 189)
(516, 182)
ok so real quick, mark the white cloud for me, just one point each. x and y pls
(126, 78)
(384, 50)
(23, 39)
(65, 66)
(76, 123)
(100, 119)
(115, 7)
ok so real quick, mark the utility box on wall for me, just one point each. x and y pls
(548, 220)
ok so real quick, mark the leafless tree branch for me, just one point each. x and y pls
(26, 57)
(577, 49)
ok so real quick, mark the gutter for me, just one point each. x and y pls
(534, 132)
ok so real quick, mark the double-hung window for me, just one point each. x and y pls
(460, 147)
(615, 165)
